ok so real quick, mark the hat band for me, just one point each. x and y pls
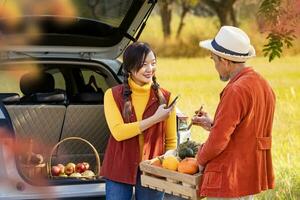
(219, 48)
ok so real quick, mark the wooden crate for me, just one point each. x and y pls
(34, 171)
(172, 182)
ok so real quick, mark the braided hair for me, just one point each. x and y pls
(133, 59)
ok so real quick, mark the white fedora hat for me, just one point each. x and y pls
(230, 43)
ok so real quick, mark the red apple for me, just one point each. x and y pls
(87, 165)
(80, 167)
(55, 170)
(62, 168)
(70, 168)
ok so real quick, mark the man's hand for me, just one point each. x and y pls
(204, 121)
(201, 168)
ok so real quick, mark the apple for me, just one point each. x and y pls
(55, 170)
(70, 168)
(63, 175)
(75, 174)
(80, 167)
(87, 165)
(88, 173)
(62, 168)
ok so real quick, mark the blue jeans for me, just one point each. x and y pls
(122, 191)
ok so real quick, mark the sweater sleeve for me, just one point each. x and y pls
(228, 116)
(171, 131)
(119, 130)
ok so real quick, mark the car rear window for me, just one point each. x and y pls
(10, 77)
(99, 79)
(10, 80)
(111, 12)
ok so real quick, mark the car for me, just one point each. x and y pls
(51, 91)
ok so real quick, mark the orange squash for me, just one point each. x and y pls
(156, 161)
(188, 166)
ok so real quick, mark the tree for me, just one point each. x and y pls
(280, 19)
(93, 5)
(165, 9)
(224, 10)
(186, 6)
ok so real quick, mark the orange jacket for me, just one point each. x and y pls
(122, 158)
(237, 153)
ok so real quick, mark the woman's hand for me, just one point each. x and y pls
(204, 121)
(161, 114)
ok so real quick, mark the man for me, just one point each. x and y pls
(236, 158)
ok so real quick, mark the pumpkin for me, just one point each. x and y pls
(188, 166)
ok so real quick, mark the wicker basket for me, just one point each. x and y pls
(29, 169)
(97, 168)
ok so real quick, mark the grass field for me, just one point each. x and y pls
(198, 83)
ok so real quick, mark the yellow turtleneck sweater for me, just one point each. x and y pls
(121, 131)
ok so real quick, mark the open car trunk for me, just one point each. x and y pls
(69, 109)
(49, 60)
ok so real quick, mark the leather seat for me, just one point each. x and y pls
(10, 98)
(40, 88)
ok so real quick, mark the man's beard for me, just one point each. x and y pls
(223, 78)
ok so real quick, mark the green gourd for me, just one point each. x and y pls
(188, 148)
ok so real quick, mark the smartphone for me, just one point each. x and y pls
(174, 101)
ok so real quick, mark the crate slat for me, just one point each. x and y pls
(169, 187)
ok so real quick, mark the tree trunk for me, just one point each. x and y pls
(165, 8)
(185, 10)
(93, 6)
(233, 17)
(224, 11)
(224, 16)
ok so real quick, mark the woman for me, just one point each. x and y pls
(141, 127)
